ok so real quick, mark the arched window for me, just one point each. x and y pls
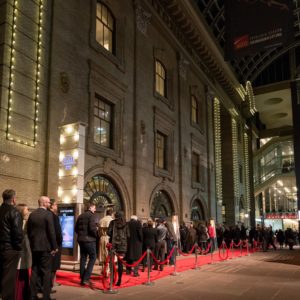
(103, 193)
(197, 211)
(105, 27)
(160, 79)
(161, 205)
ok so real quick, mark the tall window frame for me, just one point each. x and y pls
(195, 167)
(160, 79)
(105, 27)
(103, 118)
(161, 148)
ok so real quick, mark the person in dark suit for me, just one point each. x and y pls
(134, 244)
(87, 232)
(11, 237)
(149, 240)
(57, 257)
(42, 238)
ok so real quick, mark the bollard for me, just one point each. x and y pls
(232, 251)
(111, 266)
(247, 247)
(196, 257)
(211, 257)
(148, 282)
(223, 250)
(175, 261)
(241, 249)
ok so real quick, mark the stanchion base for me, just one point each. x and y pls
(110, 292)
(174, 274)
(148, 283)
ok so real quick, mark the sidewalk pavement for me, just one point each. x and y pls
(272, 275)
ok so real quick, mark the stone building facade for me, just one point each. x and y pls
(164, 128)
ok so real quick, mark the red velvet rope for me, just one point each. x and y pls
(134, 264)
(165, 261)
(189, 253)
(206, 250)
(224, 246)
(236, 245)
(104, 279)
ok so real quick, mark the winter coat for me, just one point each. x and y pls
(135, 240)
(118, 232)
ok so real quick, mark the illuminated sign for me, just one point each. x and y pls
(68, 162)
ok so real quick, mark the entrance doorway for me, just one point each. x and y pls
(162, 206)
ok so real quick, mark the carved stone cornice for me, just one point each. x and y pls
(183, 28)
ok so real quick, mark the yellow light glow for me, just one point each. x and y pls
(75, 172)
(74, 191)
(66, 199)
(75, 154)
(62, 139)
(69, 129)
(61, 156)
(76, 137)
(61, 173)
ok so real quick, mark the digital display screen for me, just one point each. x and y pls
(66, 218)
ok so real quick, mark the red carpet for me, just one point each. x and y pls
(183, 264)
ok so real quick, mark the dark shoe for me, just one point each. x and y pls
(161, 268)
(88, 283)
(155, 268)
(136, 275)
(118, 283)
(128, 272)
(53, 291)
(143, 269)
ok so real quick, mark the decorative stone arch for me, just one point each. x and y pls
(168, 193)
(116, 180)
(198, 209)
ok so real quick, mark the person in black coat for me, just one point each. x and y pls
(42, 238)
(118, 233)
(11, 237)
(57, 257)
(87, 230)
(134, 244)
(149, 240)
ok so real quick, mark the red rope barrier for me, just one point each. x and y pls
(236, 245)
(189, 253)
(226, 255)
(166, 260)
(206, 250)
(134, 264)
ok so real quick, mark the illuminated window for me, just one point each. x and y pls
(160, 151)
(195, 110)
(105, 27)
(103, 123)
(195, 167)
(160, 79)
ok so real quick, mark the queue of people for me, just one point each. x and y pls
(28, 241)
(129, 240)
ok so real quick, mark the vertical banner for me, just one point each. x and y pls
(254, 26)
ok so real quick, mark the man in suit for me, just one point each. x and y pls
(41, 234)
(11, 236)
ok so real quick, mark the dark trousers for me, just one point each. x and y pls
(87, 250)
(8, 271)
(41, 272)
(160, 251)
(22, 288)
(170, 245)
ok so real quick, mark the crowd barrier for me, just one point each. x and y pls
(224, 250)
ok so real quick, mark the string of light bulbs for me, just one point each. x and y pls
(9, 135)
